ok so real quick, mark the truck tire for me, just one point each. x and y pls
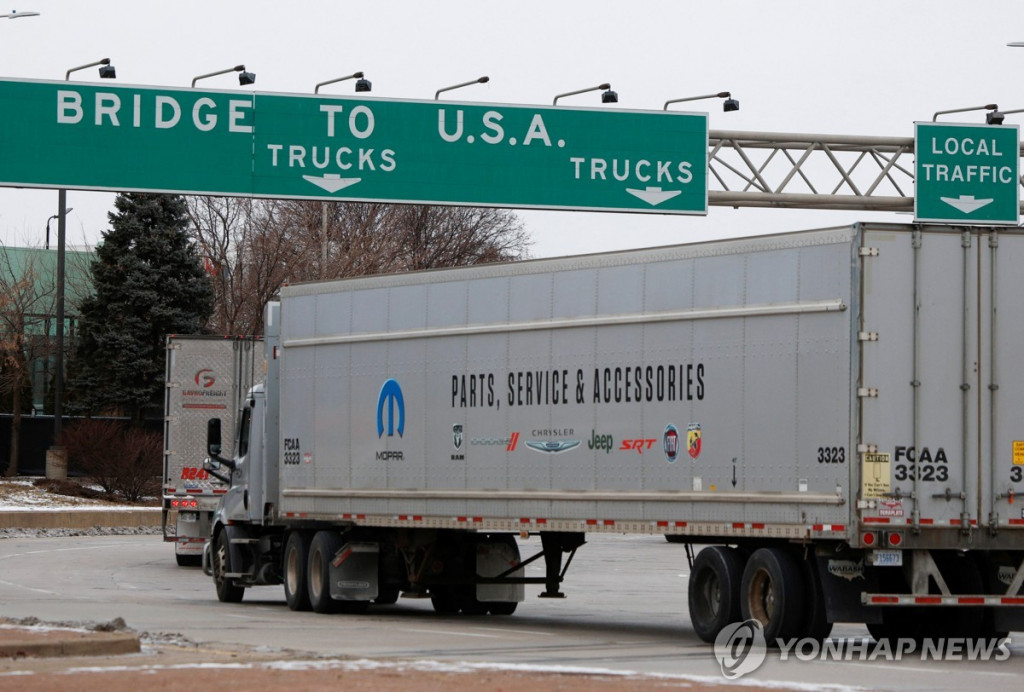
(502, 607)
(714, 590)
(445, 599)
(227, 590)
(815, 625)
(771, 593)
(468, 603)
(296, 559)
(322, 548)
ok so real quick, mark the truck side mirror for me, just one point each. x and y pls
(213, 437)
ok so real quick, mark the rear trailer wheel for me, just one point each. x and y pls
(714, 590)
(771, 593)
(296, 558)
(324, 546)
(227, 590)
(445, 599)
(502, 607)
(815, 624)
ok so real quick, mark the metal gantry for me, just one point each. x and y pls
(771, 169)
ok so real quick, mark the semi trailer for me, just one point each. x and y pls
(836, 416)
(206, 376)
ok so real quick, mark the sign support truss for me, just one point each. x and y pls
(807, 171)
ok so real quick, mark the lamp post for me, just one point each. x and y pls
(244, 78)
(728, 106)
(996, 117)
(478, 80)
(988, 107)
(66, 211)
(363, 85)
(608, 96)
(56, 461)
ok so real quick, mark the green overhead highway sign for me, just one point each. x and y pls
(967, 173)
(96, 137)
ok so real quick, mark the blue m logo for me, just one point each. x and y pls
(390, 397)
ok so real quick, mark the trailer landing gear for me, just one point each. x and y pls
(554, 543)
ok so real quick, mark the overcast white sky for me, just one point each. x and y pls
(870, 67)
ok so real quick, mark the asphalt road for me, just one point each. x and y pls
(625, 611)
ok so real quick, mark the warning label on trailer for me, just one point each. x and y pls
(876, 476)
(1018, 452)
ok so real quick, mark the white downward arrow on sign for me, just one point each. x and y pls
(966, 203)
(332, 182)
(654, 195)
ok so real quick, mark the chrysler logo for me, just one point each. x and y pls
(552, 446)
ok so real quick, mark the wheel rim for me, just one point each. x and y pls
(761, 597)
(291, 572)
(316, 577)
(220, 558)
(710, 590)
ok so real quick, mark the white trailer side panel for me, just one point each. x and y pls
(699, 389)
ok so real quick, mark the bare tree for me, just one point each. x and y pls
(255, 246)
(245, 255)
(26, 307)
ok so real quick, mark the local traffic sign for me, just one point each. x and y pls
(72, 135)
(967, 173)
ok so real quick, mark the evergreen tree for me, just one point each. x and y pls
(149, 282)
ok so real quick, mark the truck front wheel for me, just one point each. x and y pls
(227, 590)
(296, 558)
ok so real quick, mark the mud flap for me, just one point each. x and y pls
(493, 559)
(353, 572)
(196, 533)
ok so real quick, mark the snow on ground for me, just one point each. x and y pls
(21, 495)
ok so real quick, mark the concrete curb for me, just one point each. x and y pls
(73, 518)
(24, 643)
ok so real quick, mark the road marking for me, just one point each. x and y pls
(29, 588)
(533, 633)
(450, 633)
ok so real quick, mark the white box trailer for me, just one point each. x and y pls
(837, 414)
(207, 376)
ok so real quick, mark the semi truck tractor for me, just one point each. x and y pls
(832, 421)
(207, 376)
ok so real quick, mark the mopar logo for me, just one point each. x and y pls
(388, 400)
